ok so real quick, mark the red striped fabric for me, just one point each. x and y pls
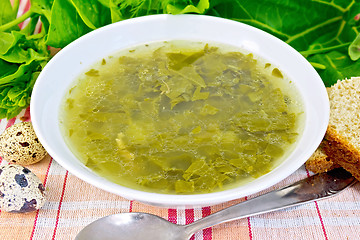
(131, 205)
(172, 215)
(207, 233)
(37, 212)
(189, 218)
(249, 224)
(10, 122)
(318, 213)
(59, 208)
(24, 6)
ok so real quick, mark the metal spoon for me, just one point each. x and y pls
(136, 226)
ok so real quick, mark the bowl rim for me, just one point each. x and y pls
(39, 108)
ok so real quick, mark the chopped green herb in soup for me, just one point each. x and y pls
(182, 117)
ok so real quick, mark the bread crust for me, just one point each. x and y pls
(320, 162)
(342, 152)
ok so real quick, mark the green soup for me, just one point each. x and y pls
(182, 117)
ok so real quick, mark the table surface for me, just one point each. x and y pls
(72, 204)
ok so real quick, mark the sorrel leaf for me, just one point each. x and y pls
(66, 24)
(315, 28)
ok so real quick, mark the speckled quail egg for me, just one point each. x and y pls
(19, 144)
(20, 189)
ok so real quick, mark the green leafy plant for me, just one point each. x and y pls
(321, 30)
(22, 57)
(326, 32)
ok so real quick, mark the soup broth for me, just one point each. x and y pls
(182, 117)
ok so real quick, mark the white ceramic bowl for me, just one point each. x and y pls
(71, 61)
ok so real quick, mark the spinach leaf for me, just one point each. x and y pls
(5, 42)
(294, 22)
(15, 89)
(200, 8)
(22, 57)
(21, 74)
(93, 13)
(7, 13)
(125, 9)
(66, 24)
(315, 28)
(15, 98)
(42, 10)
(7, 68)
(16, 47)
(105, 3)
(337, 66)
(42, 7)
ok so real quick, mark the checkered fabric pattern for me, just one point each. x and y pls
(72, 204)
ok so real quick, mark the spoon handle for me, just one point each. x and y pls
(317, 187)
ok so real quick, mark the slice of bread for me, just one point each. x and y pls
(320, 162)
(341, 144)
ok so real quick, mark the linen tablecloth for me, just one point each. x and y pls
(72, 204)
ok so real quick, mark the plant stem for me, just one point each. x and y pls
(318, 65)
(323, 50)
(16, 21)
(37, 35)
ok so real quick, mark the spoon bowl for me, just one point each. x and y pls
(139, 226)
(127, 226)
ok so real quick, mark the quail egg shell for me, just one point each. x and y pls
(20, 189)
(20, 145)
